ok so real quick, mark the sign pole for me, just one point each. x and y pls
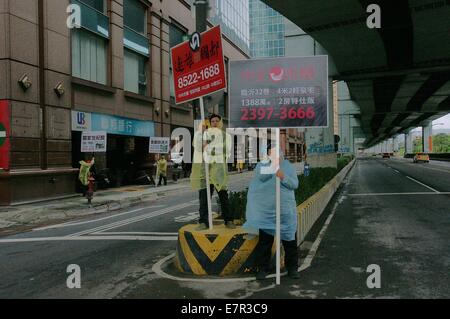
(278, 207)
(208, 190)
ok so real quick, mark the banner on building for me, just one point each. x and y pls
(159, 145)
(286, 92)
(4, 135)
(93, 142)
(198, 66)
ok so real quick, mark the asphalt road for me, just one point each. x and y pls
(388, 212)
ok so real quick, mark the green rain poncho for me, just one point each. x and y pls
(161, 167)
(84, 172)
(217, 153)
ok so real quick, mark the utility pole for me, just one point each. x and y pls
(201, 16)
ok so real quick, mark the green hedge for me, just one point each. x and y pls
(308, 186)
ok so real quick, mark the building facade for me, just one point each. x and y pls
(267, 31)
(107, 70)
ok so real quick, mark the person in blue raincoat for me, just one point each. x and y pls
(261, 212)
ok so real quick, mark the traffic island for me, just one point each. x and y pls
(220, 252)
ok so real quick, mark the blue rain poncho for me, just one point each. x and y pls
(261, 201)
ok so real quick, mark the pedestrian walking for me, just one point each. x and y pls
(261, 212)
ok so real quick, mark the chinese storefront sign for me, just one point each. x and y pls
(84, 121)
(201, 72)
(281, 92)
(159, 145)
(4, 135)
(93, 142)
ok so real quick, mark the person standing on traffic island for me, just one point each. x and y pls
(261, 212)
(214, 146)
(161, 170)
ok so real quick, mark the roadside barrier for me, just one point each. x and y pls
(220, 252)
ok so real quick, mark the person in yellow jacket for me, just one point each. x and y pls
(83, 176)
(213, 145)
(161, 170)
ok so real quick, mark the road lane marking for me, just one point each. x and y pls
(315, 246)
(395, 194)
(131, 220)
(90, 238)
(136, 233)
(415, 180)
(395, 170)
(68, 224)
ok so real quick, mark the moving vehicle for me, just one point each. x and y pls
(421, 157)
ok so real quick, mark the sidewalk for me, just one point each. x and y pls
(28, 216)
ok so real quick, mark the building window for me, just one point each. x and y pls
(176, 36)
(136, 47)
(89, 56)
(90, 42)
(98, 5)
(135, 72)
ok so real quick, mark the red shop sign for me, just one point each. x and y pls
(4, 135)
(198, 66)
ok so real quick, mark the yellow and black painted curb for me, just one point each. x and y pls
(220, 252)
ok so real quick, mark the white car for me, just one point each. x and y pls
(177, 158)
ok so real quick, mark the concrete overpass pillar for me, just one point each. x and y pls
(427, 138)
(408, 143)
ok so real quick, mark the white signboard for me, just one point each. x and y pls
(159, 145)
(93, 142)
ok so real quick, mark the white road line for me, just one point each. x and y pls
(312, 252)
(68, 224)
(415, 180)
(157, 269)
(98, 238)
(131, 220)
(396, 170)
(395, 194)
(135, 233)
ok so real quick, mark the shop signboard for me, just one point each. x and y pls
(4, 135)
(85, 121)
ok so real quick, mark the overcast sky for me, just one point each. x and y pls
(445, 120)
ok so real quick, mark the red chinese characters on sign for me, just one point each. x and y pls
(201, 72)
(4, 135)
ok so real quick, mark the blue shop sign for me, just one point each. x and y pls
(84, 121)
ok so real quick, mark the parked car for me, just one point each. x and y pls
(386, 155)
(421, 157)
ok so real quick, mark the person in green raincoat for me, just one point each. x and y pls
(212, 144)
(161, 170)
(85, 169)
